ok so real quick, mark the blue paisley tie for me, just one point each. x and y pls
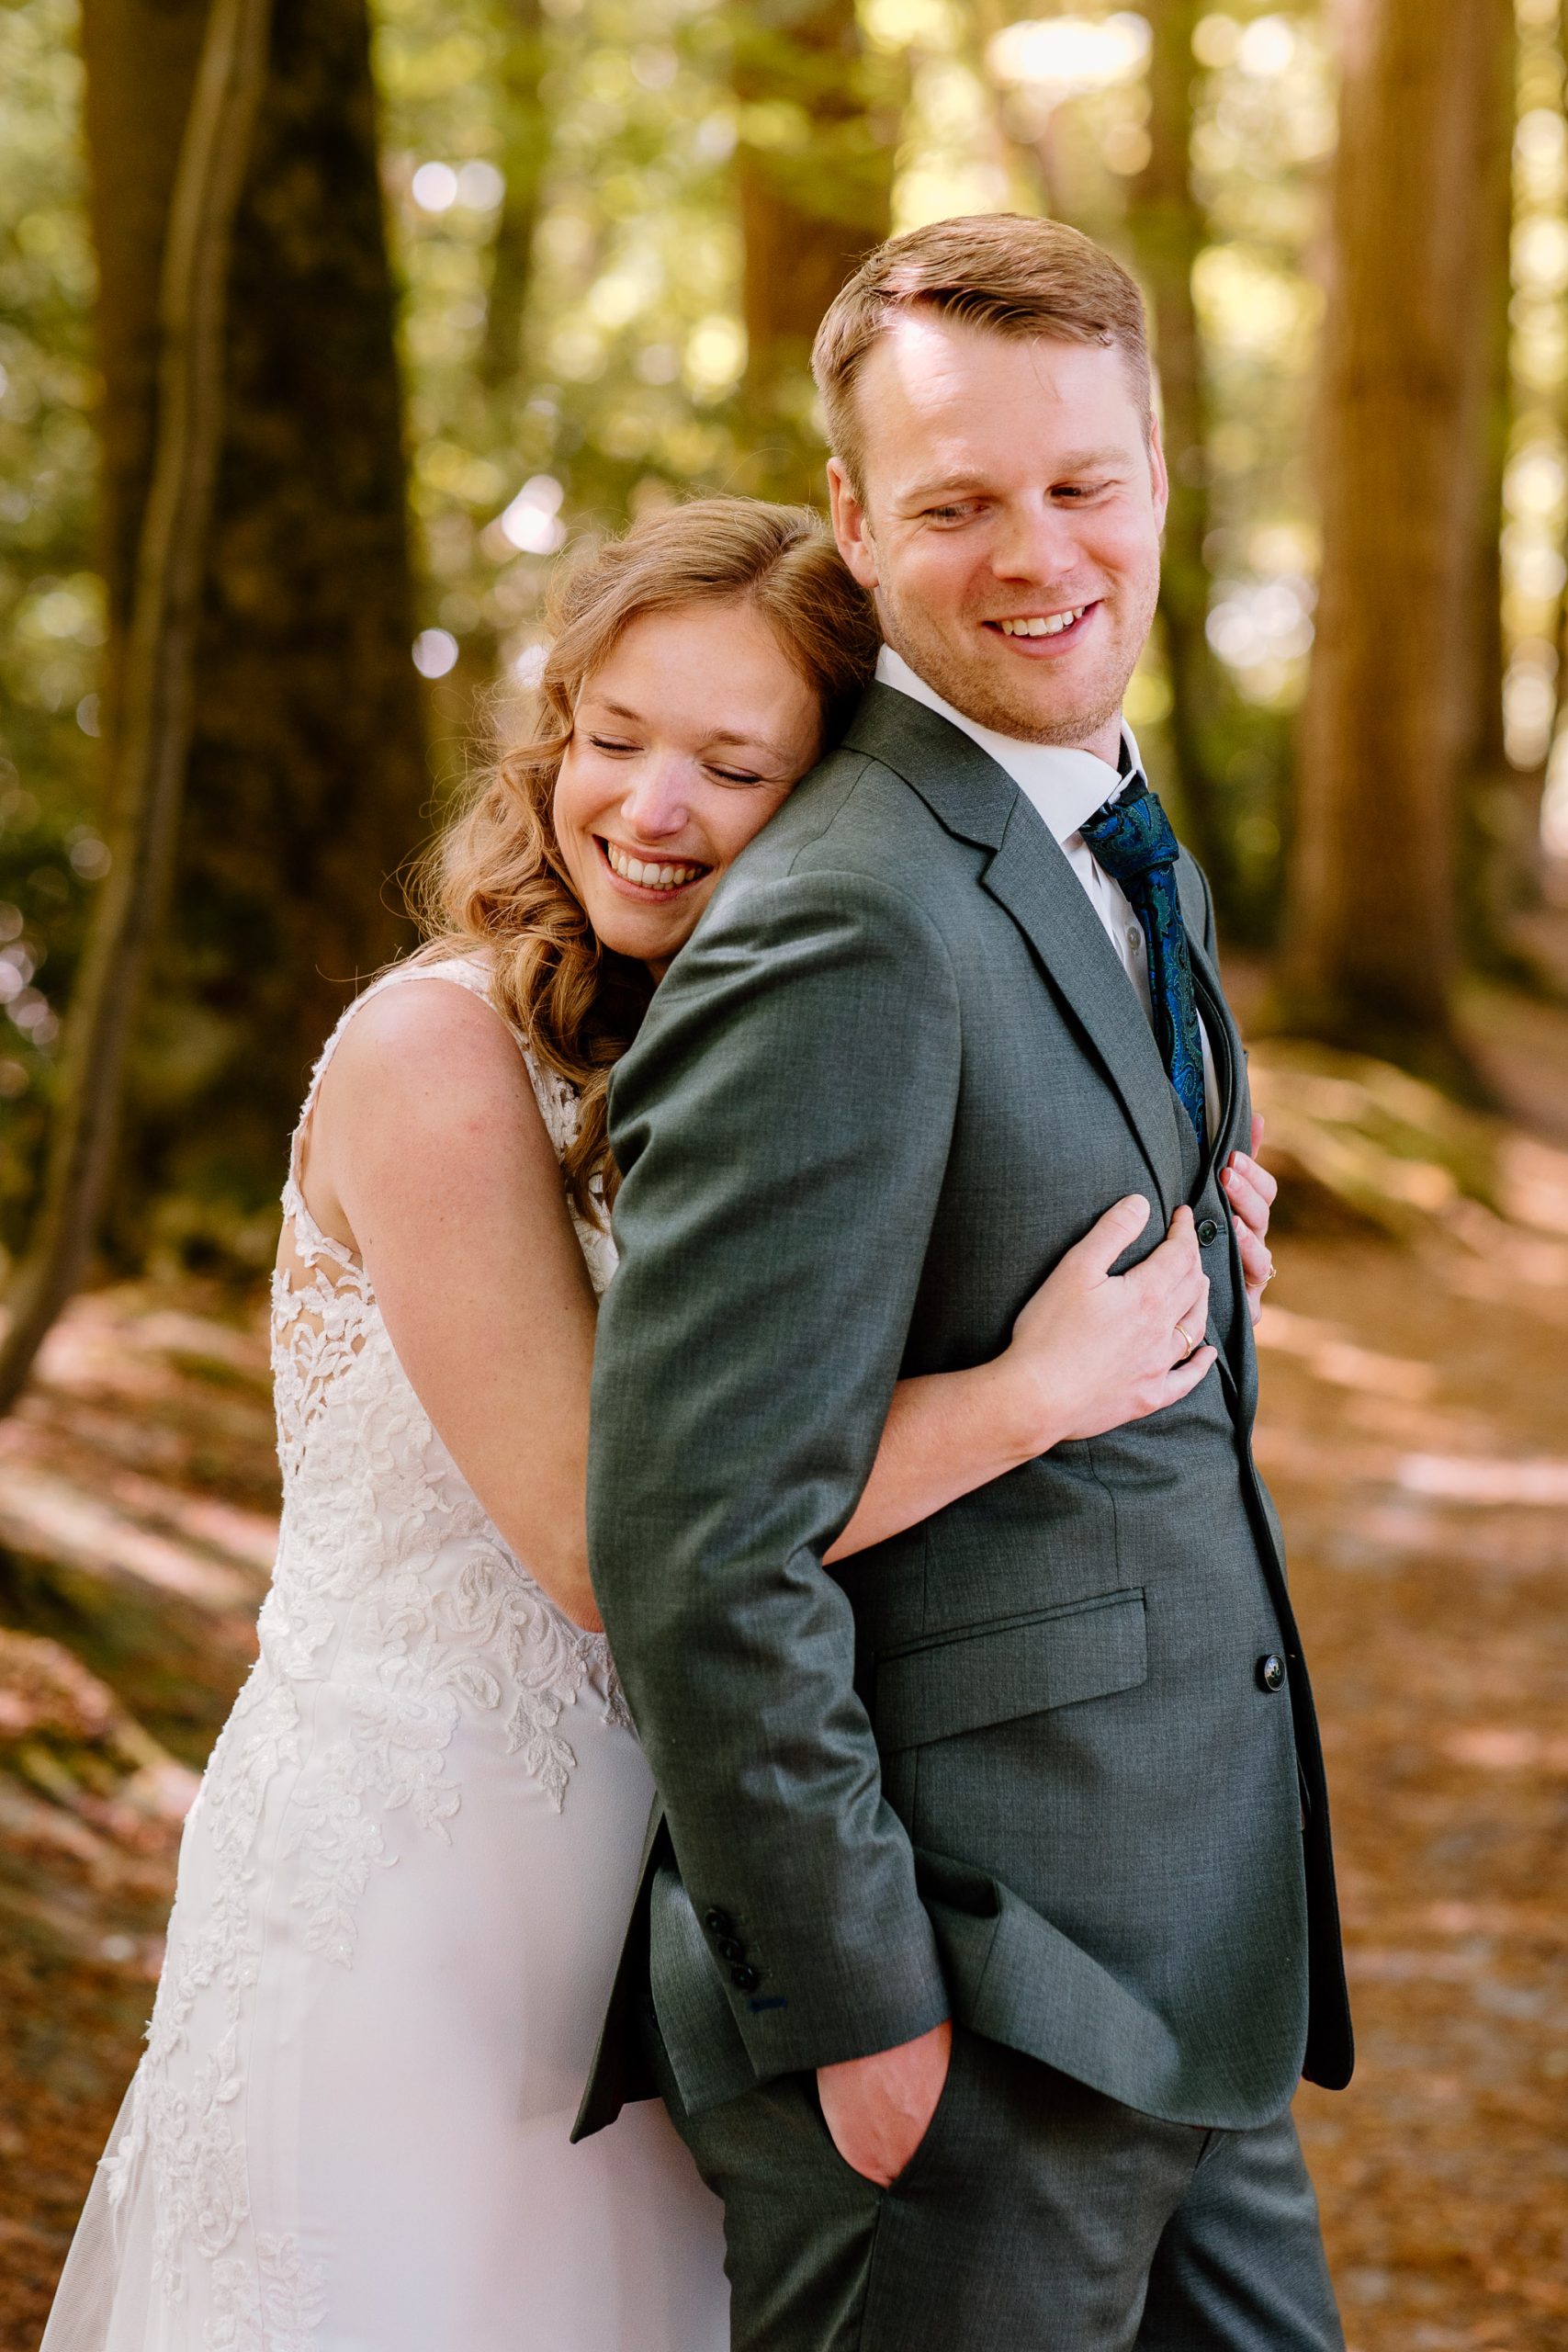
(1131, 838)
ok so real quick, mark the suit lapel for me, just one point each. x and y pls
(1028, 875)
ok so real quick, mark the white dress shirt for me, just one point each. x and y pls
(1064, 788)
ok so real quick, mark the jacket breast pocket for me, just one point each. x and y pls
(1024, 1666)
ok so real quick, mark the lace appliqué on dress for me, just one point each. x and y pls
(393, 1592)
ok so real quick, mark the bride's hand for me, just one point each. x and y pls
(1093, 1350)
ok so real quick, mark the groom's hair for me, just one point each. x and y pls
(996, 271)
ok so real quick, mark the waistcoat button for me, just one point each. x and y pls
(1271, 1672)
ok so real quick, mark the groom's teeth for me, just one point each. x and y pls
(650, 877)
(1035, 627)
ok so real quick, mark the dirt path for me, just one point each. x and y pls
(1413, 1428)
(1414, 1436)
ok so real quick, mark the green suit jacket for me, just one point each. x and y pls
(1021, 1763)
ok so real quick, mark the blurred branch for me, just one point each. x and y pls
(151, 738)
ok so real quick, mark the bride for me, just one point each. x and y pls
(404, 1880)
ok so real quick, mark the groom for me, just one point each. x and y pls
(991, 1921)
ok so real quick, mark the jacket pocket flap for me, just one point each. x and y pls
(968, 1680)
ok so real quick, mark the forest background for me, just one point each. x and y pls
(483, 279)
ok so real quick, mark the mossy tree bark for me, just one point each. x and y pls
(1372, 941)
(150, 736)
(307, 773)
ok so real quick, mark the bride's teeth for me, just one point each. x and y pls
(650, 877)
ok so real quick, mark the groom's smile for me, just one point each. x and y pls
(1038, 632)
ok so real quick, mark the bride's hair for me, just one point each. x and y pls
(495, 878)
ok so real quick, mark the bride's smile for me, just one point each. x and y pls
(684, 741)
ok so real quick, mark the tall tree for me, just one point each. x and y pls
(1169, 231)
(151, 735)
(1499, 807)
(815, 169)
(524, 126)
(307, 773)
(1372, 938)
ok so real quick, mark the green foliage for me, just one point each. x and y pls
(624, 388)
(50, 599)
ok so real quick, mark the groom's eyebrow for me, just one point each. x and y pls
(1075, 461)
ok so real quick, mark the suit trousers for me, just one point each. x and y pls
(1036, 2213)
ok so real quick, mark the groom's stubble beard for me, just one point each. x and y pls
(1071, 717)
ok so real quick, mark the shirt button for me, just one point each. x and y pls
(1134, 936)
(1271, 1673)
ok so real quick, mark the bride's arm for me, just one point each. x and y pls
(427, 1154)
(1090, 1350)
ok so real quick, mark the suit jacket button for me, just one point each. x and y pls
(1271, 1672)
(745, 1980)
(729, 1949)
(719, 1923)
(1208, 1233)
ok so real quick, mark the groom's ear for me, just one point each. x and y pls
(850, 525)
(1160, 480)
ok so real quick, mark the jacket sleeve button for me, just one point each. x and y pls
(745, 1980)
(1271, 1672)
(728, 1948)
(719, 1923)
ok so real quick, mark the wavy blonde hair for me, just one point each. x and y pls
(495, 878)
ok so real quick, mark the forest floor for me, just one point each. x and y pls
(1414, 1431)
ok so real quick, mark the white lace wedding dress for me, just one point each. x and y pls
(401, 1893)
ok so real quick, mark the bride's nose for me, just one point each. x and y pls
(659, 805)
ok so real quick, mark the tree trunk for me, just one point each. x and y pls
(1169, 231)
(1372, 939)
(307, 773)
(815, 168)
(524, 148)
(1500, 807)
(152, 727)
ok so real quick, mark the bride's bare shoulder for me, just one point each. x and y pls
(428, 1060)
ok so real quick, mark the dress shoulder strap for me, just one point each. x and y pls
(555, 1098)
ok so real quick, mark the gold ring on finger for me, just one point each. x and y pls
(1192, 1343)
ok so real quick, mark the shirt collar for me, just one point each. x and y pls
(1065, 786)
